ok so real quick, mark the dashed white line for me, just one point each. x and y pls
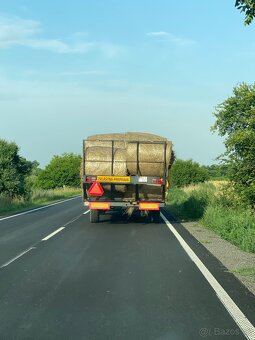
(245, 325)
(87, 211)
(17, 257)
(52, 234)
(36, 209)
(44, 239)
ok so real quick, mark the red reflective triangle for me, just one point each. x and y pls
(96, 189)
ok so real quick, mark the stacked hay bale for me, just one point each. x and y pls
(101, 154)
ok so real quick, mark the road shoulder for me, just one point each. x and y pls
(238, 262)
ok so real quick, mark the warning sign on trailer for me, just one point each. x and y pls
(96, 189)
(113, 179)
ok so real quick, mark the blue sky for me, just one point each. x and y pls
(72, 69)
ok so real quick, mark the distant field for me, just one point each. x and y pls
(38, 198)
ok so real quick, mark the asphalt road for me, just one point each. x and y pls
(116, 279)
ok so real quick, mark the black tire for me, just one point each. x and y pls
(155, 216)
(94, 216)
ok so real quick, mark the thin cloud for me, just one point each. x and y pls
(171, 38)
(157, 34)
(15, 31)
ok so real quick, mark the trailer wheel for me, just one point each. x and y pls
(94, 216)
(155, 216)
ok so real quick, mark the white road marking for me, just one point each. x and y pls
(245, 325)
(61, 228)
(36, 209)
(44, 239)
(52, 234)
(17, 257)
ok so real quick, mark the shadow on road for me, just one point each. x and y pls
(119, 218)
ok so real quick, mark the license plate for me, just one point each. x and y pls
(113, 179)
(143, 180)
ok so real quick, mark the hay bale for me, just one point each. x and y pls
(120, 162)
(120, 139)
(98, 161)
(143, 136)
(107, 136)
(105, 140)
(149, 154)
(151, 158)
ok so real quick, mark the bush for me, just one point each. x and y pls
(61, 171)
(14, 170)
(217, 171)
(188, 172)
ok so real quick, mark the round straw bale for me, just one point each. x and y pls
(120, 164)
(151, 158)
(98, 160)
(106, 140)
(143, 136)
(107, 136)
(98, 154)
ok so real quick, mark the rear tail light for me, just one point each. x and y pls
(157, 181)
(90, 179)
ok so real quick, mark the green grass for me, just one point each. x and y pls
(245, 271)
(206, 204)
(188, 204)
(38, 198)
(205, 242)
(234, 225)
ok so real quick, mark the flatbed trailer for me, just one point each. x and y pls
(101, 201)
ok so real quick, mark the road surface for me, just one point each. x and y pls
(62, 277)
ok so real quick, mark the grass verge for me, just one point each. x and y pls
(234, 225)
(205, 204)
(246, 271)
(189, 203)
(38, 198)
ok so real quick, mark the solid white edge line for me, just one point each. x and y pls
(244, 324)
(17, 257)
(36, 209)
(52, 234)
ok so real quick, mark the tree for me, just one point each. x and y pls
(235, 120)
(188, 172)
(248, 7)
(32, 179)
(61, 171)
(217, 170)
(14, 170)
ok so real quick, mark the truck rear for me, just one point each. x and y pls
(126, 172)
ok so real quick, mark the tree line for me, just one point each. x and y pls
(19, 176)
